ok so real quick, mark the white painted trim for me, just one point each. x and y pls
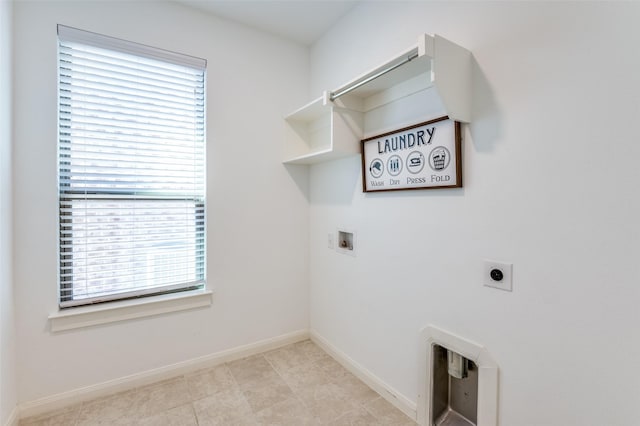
(400, 401)
(88, 316)
(487, 374)
(75, 396)
(13, 417)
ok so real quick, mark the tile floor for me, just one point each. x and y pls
(295, 385)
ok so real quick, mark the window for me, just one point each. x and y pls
(131, 173)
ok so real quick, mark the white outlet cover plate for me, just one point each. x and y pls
(507, 271)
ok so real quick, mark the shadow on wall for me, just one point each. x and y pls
(341, 180)
(300, 176)
(486, 124)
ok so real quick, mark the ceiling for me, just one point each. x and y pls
(303, 21)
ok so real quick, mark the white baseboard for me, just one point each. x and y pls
(400, 401)
(13, 418)
(64, 399)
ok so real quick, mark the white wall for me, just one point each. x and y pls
(8, 395)
(257, 213)
(551, 179)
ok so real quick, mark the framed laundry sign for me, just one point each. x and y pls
(423, 156)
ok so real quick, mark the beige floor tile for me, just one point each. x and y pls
(387, 414)
(237, 421)
(305, 376)
(355, 389)
(210, 381)
(313, 351)
(326, 402)
(63, 417)
(266, 393)
(287, 357)
(120, 421)
(251, 370)
(224, 408)
(179, 416)
(331, 367)
(162, 396)
(290, 412)
(109, 409)
(357, 417)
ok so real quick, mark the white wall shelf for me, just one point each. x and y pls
(437, 81)
(322, 131)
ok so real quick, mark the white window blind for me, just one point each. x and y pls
(131, 169)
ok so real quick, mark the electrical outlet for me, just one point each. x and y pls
(498, 275)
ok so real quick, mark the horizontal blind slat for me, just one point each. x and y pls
(67, 302)
(129, 143)
(123, 77)
(116, 87)
(126, 270)
(113, 90)
(75, 57)
(108, 98)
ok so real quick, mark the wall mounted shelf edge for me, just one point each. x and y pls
(432, 77)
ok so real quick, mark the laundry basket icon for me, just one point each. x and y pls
(439, 158)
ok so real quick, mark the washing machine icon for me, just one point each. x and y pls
(376, 168)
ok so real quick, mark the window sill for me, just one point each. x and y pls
(88, 316)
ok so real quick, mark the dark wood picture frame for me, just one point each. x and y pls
(457, 143)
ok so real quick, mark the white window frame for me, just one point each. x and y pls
(198, 296)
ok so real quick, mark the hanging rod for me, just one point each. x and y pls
(410, 57)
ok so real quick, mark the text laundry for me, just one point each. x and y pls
(408, 140)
